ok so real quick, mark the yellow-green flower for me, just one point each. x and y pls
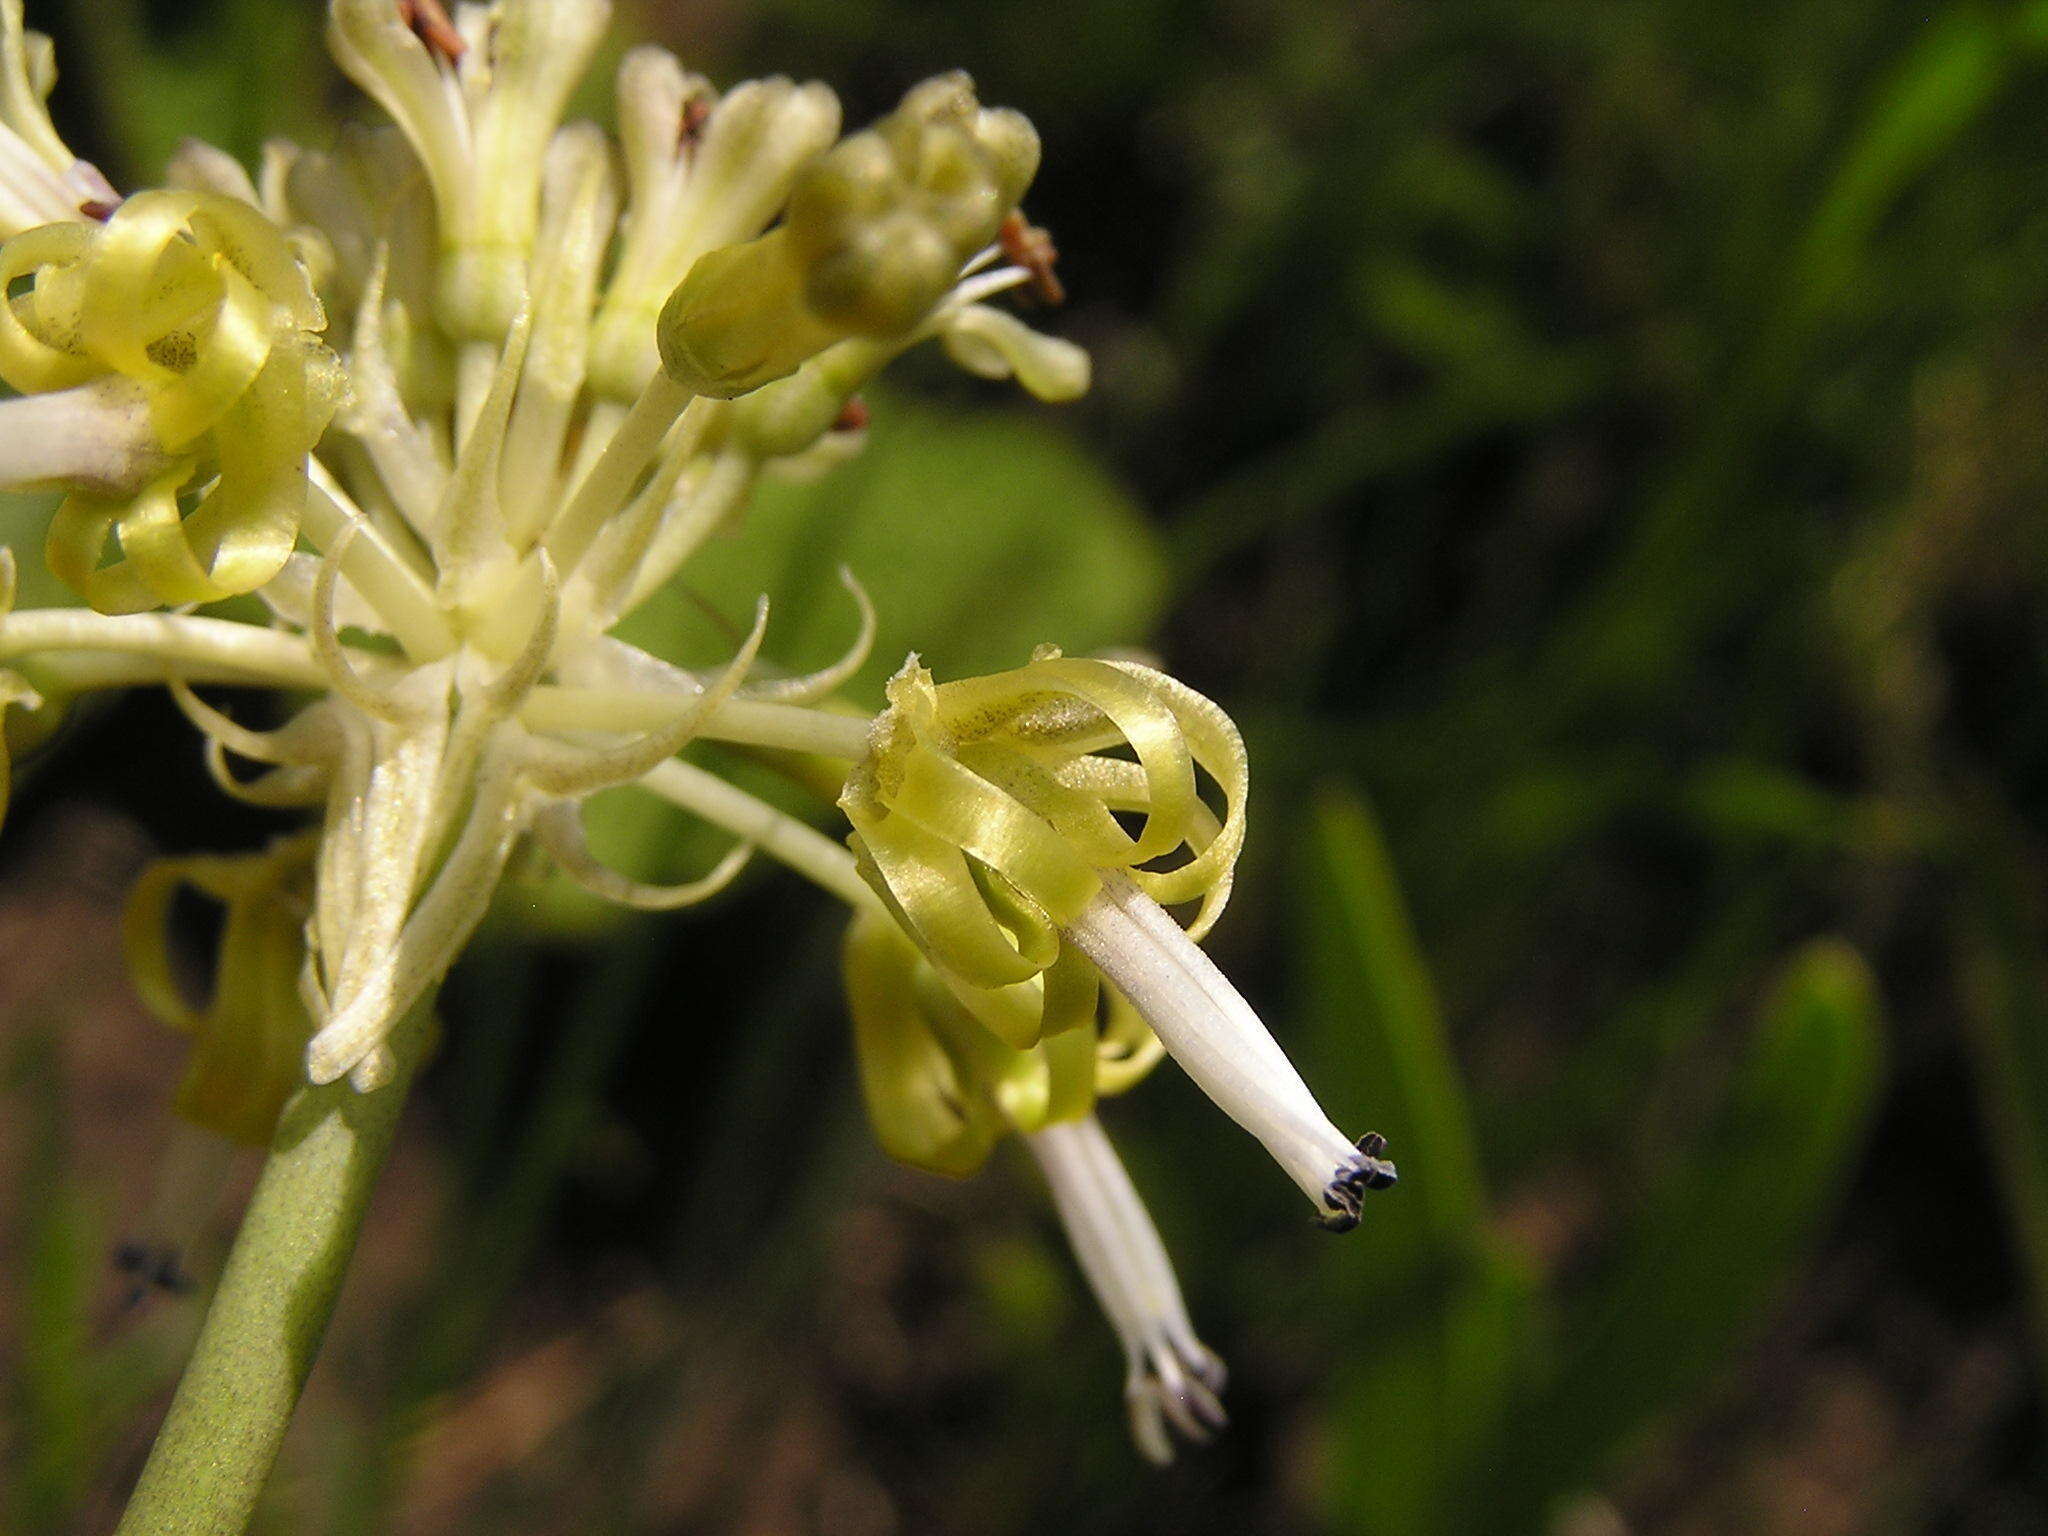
(876, 234)
(985, 817)
(478, 467)
(941, 1087)
(182, 381)
(453, 398)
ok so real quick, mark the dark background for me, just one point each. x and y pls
(1595, 451)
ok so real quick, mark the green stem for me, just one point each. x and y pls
(803, 848)
(197, 646)
(264, 1325)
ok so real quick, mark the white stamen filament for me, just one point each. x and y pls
(1173, 1378)
(97, 435)
(1210, 1029)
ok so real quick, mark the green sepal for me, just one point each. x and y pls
(922, 1112)
(249, 1039)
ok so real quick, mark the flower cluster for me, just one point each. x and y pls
(455, 396)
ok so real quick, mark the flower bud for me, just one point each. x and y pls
(874, 237)
(739, 320)
(702, 172)
(792, 414)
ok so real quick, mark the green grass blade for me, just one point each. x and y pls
(1377, 1034)
(1717, 1239)
(2003, 972)
(1439, 1341)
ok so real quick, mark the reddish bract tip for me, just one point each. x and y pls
(696, 113)
(429, 21)
(1028, 246)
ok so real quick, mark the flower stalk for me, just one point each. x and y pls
(267, 1316)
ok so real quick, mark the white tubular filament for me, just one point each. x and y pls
(1173, 1379)
(1210, 1029)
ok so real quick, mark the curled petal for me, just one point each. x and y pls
(1142, 717)
(1120, 785)
(196, 301)
(948, 800)
(1127, 1051)
(296, 785)
(556, 768)
(559, 830)
(927, 883)
(939, 1087)
(1220, 749)
(378, 703)
(921, 1110)
(43, 356)
(248, 1034)
(168, 556)
(987, 809)
(307, 739)
(827, 680)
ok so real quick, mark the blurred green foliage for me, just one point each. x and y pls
(1510, 1398)
(1608, 436)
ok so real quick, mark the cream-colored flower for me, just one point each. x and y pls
(450, 495)
(452, 399)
